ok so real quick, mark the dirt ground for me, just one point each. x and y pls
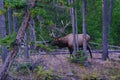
(62, 67)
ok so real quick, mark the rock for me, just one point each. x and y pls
(70, 74)
(73, 78)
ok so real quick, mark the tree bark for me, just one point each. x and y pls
(27, 55)
(9, 20)
(74, 27)
(84, 27)
(15, 22)
(32, 32)
(76, 30)
(9, 60)
(3, 32)
(105, 31)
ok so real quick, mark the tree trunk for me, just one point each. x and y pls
(9, 20)
(32, 32)
(3, 32)
(27, 55)
(105, 31)
(84, 27)
(15, 22)
(76, 31)
(74, 27)
(9, 60)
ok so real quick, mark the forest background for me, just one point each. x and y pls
(50, 13)
(53, 17)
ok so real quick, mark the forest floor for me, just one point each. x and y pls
(59, 67)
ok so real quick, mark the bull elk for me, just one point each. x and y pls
(67, 41)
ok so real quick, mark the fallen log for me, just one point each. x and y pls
(58, 52)
(111, 46)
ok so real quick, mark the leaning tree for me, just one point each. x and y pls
(20, 35)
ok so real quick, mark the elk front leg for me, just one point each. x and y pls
(71, 51)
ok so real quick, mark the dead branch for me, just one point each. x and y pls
(112, 46)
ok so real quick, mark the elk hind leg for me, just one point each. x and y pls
(88, 48)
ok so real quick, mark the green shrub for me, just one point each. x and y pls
(78, 58)
(43, 74)
(43, 47)
(47, 74)
(8, 40)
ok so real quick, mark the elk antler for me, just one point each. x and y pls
(62, 30)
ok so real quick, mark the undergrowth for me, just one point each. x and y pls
(46, 74)
(78, 58)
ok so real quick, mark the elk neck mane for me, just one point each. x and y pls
(63, 41)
